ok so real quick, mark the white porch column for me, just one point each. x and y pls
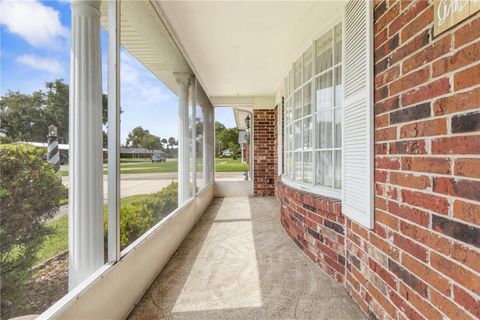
(184, 81)
(85, 209)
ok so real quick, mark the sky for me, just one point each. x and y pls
(35, 48)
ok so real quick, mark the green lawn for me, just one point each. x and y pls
(145, 166)
(57, 242)
(230, 165)
(135, 160)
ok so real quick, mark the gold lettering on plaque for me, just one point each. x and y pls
(448, 13)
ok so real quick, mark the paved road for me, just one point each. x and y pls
(146, 183)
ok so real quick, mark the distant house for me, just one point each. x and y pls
(126, 152)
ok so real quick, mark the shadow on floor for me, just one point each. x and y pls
(238, 263)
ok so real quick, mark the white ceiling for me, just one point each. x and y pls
(240, 48)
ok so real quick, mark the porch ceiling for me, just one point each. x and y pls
(243, 49)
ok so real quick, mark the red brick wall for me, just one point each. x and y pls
(275, 144)
(263, 152)
(317, 226)
(422, 259)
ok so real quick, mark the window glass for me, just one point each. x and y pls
(307, 132)
(338, 87)
(290, 138)
(338, 43)
(297, 104)
(297, 134)
(324, 130)
(298, 166)
(149, 139)
(324, 172)
(307, 64)
(324, 91)
(338, 169)
(338, 128)
(307, 167)
(290, 165)
(314, 119)
(323, 53)
(199, 123)
(307, 99)
(298, 66)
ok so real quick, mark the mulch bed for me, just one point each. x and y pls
(49, 283)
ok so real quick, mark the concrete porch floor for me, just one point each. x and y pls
(238, 263)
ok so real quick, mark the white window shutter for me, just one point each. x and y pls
(358, 138)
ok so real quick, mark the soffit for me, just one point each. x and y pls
(242, 48)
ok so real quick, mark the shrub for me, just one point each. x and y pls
(30, 193)
(139, 215)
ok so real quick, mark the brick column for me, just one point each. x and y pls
(264, 152)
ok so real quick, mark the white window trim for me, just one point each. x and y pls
(318, 190)
(331, 193)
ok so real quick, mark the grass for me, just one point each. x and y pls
(145, 166)
(230, 165)
(135, 160)
(55, 243)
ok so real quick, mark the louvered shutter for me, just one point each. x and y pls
(358, 139)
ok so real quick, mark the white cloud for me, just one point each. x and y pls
(52, 66)
(35, 22)
(139, 87)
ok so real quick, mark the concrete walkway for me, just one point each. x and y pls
(238, 263)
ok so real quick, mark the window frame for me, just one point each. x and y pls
(291, 89)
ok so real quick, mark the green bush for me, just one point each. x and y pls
(139, 215)
(30, 193)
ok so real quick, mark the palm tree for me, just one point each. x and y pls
(165, 143)
(172, 142)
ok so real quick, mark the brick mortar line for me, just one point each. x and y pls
(447, 74)
(451, 135)
(430, 175)
(366, 290)
(399, 280)
(427, 248)
(450, 75)
(451, 299)
(308, 257)
(450, 217)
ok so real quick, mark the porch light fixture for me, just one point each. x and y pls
(247, 121)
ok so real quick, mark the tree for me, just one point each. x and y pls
(22, 116)
(164, 143)
(172, 142)
(218, 127)
(26, 117)
(226, 138)
(134, 138)
(56, 108)
(141, 138)
(151, 142)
